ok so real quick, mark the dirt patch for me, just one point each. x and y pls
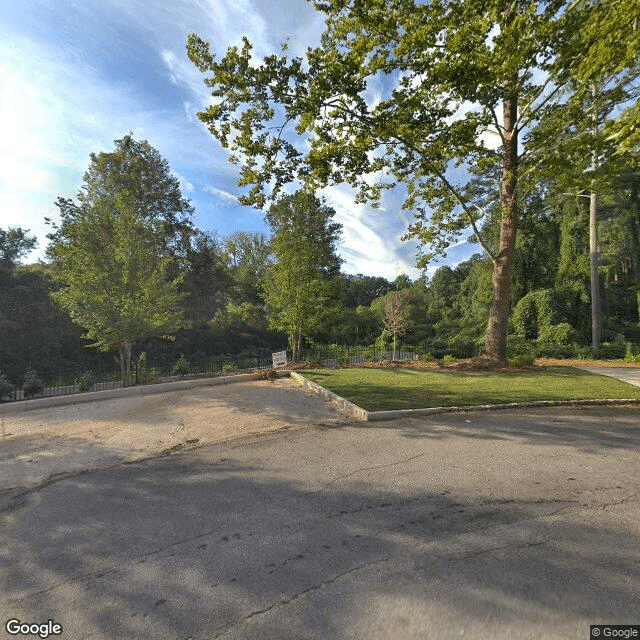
(48, 442)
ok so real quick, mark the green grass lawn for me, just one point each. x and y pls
(385, 389)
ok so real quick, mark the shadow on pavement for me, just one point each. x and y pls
(500, 530)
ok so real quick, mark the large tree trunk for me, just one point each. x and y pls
(496, 345)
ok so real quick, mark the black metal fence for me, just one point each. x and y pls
(70, 381)
(148, 371)
(335, 354)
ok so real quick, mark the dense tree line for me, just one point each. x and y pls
(226, 310)
(555, 206)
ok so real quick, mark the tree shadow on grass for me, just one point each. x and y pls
(329, 533)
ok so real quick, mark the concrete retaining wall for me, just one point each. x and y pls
(353, 409)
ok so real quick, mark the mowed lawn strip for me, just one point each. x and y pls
(387, 389)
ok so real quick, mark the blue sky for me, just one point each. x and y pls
(76, 76)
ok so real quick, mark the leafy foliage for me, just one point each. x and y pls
(6, 388)
(115, 252)
(299, 288)
(32, 384)
(85, 381)
(445, 75)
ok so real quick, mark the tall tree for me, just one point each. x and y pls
(115, 251)
(14, 245)
(449, 70)
(299, 288)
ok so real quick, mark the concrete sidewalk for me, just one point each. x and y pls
(630, 375)
(519, 524)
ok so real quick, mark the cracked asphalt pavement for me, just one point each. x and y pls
(513, 524)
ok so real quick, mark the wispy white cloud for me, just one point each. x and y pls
(371, 238)
(221, 193)
(120, 65)
(185, 185)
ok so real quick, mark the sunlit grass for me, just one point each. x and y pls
(386, 389)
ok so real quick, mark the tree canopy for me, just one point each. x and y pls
(403, 93)
(114, 251)
(299, 287)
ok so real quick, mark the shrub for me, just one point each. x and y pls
(611, 351)
(181, 367)
(6, 388)
(629, 355)
(33, 384)
(553, 350)
(522, 360)
(229, 366)
(562, 334)
(85, 381)
(448, 358)
(369, 353)
(427, 357)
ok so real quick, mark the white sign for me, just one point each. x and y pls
(279, 358)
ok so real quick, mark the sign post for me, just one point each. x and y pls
(279, 358)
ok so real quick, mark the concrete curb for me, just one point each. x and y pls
(369, 416)
(353, 409)
(410, 413)
(128, 392)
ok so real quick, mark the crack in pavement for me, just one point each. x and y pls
(623, 501)
(68, 475)
(142, 557)
(221, 631)
(419, 543)
(508, 546)
(352, 473)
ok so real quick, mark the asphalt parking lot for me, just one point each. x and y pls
(509, 524)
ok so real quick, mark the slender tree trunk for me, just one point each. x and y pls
(594, 249)
(594, 254)
(125, 362)
(298, 343)
(123, 377)
(496, 345)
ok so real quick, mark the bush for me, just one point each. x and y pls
(448, 358)
(630, 355)
(227, 367)
(33, 384)
(85, 381)
(6, 388)
(553, 350)
(522, 360)
(611, 351)
(562, 334)
(181, 367)
(427, 357)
